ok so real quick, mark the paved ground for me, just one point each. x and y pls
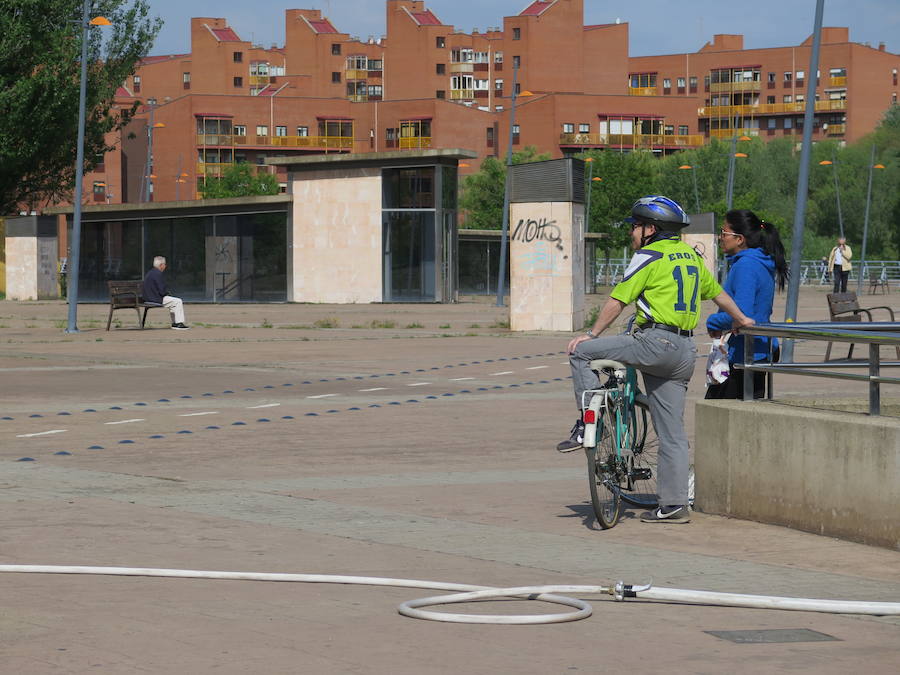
(377, 440)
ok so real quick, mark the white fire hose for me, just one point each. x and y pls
(469, 593)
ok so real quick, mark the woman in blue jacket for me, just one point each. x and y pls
(756, 256)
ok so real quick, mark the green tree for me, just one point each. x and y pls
(239, 180)
(482, 193)
(40, 72)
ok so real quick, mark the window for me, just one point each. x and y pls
(238, 57)
(787, 77)
(770, 99)
(262, 130)
(517, 33)
(683, 129)
(706, 83)
(515, 131)
(261, 158)
(240, 130)
(440, 93)
(894, 74)
(568, 128)
(584, 128)
(642, 80)
(462, 55)
(788, 123)
(669, 130)
(800, 75)
(490, 137)
(680, 83)
(800, 98)
(303, 131)
(440, 69)
(186, 80)
(498, 58)
(137, 84)
(693, 84)
(336, 49)
(518, 88)
(375, 91)
(439, 42)
(517, 62)
(99, 191)
(359, 62)
(280, 131)
(787, 98)
(772, 123)
(238, 81)
(481, 85)
(667, 83)
(376, 64)
(498, 85)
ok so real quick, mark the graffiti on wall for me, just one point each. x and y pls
(545, 250)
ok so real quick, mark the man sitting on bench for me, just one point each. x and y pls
(155, 291)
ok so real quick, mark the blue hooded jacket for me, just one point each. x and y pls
(751, 282)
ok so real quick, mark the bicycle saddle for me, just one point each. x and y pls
(606, 364)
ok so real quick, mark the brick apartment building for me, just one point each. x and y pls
(427, 85)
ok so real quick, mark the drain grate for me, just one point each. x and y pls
(772, 636)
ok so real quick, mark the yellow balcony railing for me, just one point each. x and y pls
(358, 98)
(633, 140)
(461, 94)
(215, 139)
(768, 108)
(212, 168)
(837, 129)
(642, 91)
(728, 133)
(259, 79)
(462, 68)
(752, 85)
(330, 142)
(840, 81)
(413, 142)
(356, 74)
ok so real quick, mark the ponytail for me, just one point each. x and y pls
(760, 234)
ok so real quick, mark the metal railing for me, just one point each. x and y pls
(874, 334)
(633, 140)
(768, 108)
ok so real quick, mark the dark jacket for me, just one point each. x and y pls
(751, 283)
(155, 286)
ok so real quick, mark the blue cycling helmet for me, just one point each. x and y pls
(661, 211)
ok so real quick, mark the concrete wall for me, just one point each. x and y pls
(335, 240)
(830, 473)
(31, 254)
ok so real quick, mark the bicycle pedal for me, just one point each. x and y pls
(641, 474)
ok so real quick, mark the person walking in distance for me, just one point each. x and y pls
(666, 280)
(155, 290)
(840, 265)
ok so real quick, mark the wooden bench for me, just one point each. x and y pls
(127, 295)
(877, 281)
(844, 307)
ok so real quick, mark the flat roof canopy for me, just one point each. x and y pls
(373, 159)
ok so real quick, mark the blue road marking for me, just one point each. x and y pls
(95, 447)
(62, 452)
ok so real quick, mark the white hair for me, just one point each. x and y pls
(159, 260)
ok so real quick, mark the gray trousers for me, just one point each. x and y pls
(667, 363)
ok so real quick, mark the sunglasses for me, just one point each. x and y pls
(723, 233)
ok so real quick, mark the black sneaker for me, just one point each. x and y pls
(575, 440)
(667, 514)
(180, 326)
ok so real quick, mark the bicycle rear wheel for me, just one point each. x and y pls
(603, 473)
(640, 456)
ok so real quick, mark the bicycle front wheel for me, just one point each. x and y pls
(603, 474)
(640, 456)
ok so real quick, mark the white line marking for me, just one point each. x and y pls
(43, 433)
(505, 372)
(139, 419)
(537, 367)
(322, 396)
(460, 379)
(419, 384)
(198, 414)
(375, 389)
(264, 405)
(565, 363)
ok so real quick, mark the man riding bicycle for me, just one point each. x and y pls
(665, 279)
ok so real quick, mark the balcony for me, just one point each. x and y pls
(314, 142)
(729, 133)
(642, 91)
(377, 74)
(836, 129)
(256, 80)
(462, 94)
(462, 67)
(217, 139)
(355, 74)
(358, 98)
(840, 81)
(211, 169)
(768, 109)
(752, 85)
(633, 140)
(415, 142)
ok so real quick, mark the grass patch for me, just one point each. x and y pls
(475, 325)
(500, 324)
(591, 317)
(378, 323)
(414, 325)
(265, 324)
(444, 325)
(327, 322)
(296, 326)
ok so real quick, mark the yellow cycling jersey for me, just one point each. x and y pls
(667, 280)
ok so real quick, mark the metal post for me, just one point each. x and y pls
(862, 260)
(148, 184)
(729, 188)
(748, 374)
(874, 385)
(504, 230)
(790, 312)
(587, 211)
(837, 192)
(696, 193)
(75, 241)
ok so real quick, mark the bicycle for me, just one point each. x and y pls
(620, 445)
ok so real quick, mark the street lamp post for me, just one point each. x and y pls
(693, 169)
(837, 190)
(148, 174)
(504, 229)
(729, 189)
(862, 262)
(75, 242)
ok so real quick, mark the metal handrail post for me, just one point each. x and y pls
(748, 374)
(874, 384)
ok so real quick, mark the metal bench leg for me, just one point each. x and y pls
(144, 320)
(109, 320)
(828, 351)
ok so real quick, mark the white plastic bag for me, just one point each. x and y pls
(717, 369)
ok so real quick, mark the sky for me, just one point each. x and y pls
(655, 26)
